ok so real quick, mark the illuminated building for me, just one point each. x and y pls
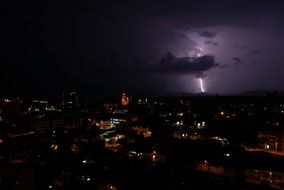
(45, 125)
(10, 106)
(111, 106)
(124, 99)
(271, 140)
(70, 105)
(38, 106)
(70, 101)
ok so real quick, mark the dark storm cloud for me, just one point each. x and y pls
(240, 47)
(176, 34)
(237, 60)
(206, 34)
(209, 42)
(169, 65)
(138, 69)
(184, 65)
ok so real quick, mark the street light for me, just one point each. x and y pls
(208, 168)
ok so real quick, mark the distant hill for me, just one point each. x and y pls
(185, 94)
(261, 92)
(258, 92)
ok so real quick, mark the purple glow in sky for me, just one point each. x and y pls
(163, 46)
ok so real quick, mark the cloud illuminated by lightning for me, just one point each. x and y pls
(199, 52)
(201, 85)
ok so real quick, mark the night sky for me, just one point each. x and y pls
(145, 47)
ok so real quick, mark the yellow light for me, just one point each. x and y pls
(7, 100)
(54, 147)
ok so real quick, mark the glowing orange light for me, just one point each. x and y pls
(124, 99)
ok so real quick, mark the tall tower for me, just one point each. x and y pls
(70, 106)
(70, 101)
(124, 99)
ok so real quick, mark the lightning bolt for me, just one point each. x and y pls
(201, 85)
